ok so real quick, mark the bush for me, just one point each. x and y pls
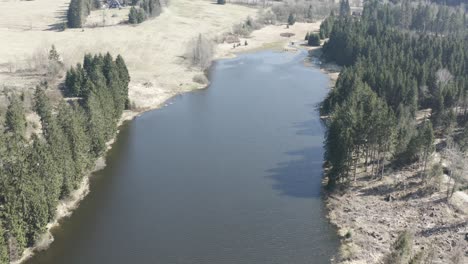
(291, 19)
(200, 78)
(401, 249)
(435, 177)
(313, 40)
(221, 2)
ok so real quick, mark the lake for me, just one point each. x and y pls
(228, 174)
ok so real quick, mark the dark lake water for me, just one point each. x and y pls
(229, 174)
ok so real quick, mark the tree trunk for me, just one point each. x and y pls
(367, 157)
(356, 163)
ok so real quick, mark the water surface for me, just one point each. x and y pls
(229, 174)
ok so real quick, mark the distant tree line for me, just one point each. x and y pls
(36, 172)
(392, 69)
(449, 2)
(302, 10)
(421, 17)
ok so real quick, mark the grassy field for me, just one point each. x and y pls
(153, 50)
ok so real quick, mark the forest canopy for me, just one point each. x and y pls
(37, 171)
(398, 59)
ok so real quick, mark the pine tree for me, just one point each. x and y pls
(345, 9)
(74, 14)
(124, 77)
(427, 143)
(53, 54)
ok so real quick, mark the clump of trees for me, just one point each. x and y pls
(389, 75)
(246, 27)
(200, 52)
(78, 10)
(136, 15)
(36, 172)
(147, 9)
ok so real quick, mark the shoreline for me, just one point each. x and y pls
(263, 39)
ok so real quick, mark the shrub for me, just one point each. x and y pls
(200, 78)
(291, 19)
(313, 40)
(435, 177)
(221, 2)
(401, 249)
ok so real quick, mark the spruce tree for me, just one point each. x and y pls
(133, 16)
(15, 118)
(75, 14)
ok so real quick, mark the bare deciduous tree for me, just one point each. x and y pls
(443, 77)
(200, 52)
(458, 167)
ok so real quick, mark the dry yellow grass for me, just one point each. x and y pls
(153, 50)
